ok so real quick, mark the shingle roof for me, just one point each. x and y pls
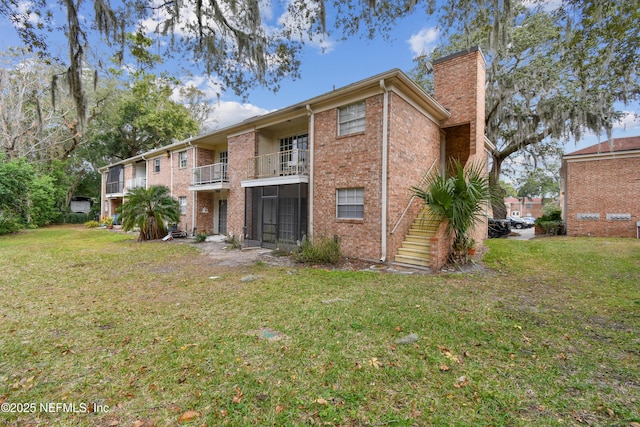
(618, 144)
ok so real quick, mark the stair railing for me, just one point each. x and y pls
(420, 184)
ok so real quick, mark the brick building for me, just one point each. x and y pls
(601, 189)
(340, 164)
(528, 206)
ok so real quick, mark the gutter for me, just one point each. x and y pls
(311, 169)
(194, 194)
(385, 162)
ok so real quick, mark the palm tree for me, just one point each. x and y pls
(149, 209)
(461, 199)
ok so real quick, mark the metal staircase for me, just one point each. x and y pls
(416, 248)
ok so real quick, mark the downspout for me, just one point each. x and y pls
(385, 160)
(146, 172)
(104, 206)
(171, 171)
(311, 168)
(194, 194)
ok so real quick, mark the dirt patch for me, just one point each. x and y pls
(225, 256)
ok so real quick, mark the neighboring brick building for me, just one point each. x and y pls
(530, 206)
(601, 189)
(340, 164)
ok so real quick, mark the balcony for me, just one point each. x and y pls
(210, 177)
(282, 163)
(136, 183)
(283, 167)
(115, 187)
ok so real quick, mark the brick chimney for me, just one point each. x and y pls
(459, 85)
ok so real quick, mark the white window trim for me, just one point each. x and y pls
(223, 156)
(358, 194)
(182, 159)
(345, 125)
(183, 206)
(156, 165)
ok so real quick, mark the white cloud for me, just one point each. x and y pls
(208, 85)
(24, 10)
(630, 120)
(223, 113)
(227, 113)
(297, 26)
(266, 10)
(424, 41)
(546, 5)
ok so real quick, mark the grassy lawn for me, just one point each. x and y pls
(156, 334)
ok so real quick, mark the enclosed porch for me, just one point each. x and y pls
(276, 215)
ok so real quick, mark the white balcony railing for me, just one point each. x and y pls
(210, 174)
(282, 163)
(136, 183)
(114, 187)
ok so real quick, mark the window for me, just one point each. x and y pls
(351, 119)
(223, 157)
(350, 203)
(293, 154)
(300, 142)
(182, 201)
(182, 159)
(156, 166)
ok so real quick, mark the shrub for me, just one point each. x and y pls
(8, 224)
(92, 224)
(43, 202)
(201, 237)
(323, 250)
(232, 239)
(551, 222)
(77, 218)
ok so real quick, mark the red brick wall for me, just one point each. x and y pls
(459, 85)
(440, 247)
(605, 186)
(458, 140)
(203, 199)
(241, 148)
(161, 178)
(350, 161)
(414, 145)
(181, 181)
(535, 210)
(204, 220)
(205, 157)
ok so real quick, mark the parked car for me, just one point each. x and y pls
(529, 218)
(520, 222)
(499, 228)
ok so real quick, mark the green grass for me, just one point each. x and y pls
(547, 335)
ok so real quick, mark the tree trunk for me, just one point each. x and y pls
(499, 209)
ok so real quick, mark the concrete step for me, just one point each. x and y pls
(424, 224)
(423, 246)
(425, 233)
(405, 259)
(417, 238)
(415, 253)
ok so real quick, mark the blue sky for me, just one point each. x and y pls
(338, 64)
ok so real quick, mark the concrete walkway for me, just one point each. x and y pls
(524, 234)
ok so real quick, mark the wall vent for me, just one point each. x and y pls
(589, 216)
(619, 217)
